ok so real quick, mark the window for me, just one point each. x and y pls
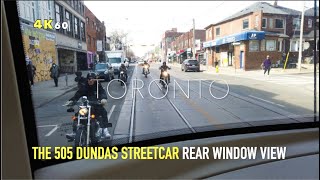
(76, 28)
(217, 31)
(245, 24)
(264, 23)
(270, 23)
(59, 17)
(93, 24)
(209, 33)
(82, 29)
(309, 23)
(279, 23)
(72, 3)
(94, 42)
(270, 45)
(263, 45)
(87, 20)
(69, 21)
(253, 45)
(294, 45)
(296, 23)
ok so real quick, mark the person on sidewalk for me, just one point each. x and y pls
(31, 71)
(90, 90)
(267, 65)
(54, 73)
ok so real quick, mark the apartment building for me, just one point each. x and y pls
(167, 38)
(71, 42)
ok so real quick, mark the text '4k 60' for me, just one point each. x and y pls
(47, 24)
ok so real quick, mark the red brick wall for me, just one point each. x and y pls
(90, 31)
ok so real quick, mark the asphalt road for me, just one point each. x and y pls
(150, 111)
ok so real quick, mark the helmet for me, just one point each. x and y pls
(91, 75)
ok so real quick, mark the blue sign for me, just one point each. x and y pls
(244, 36)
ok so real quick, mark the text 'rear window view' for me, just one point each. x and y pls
(111, 73)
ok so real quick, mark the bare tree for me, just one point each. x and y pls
(116, 38)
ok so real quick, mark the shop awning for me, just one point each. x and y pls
(243, 36)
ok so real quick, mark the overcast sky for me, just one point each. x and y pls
(146, 21)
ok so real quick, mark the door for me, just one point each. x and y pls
(241, 59)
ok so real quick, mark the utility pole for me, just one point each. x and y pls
(301, 35)
(194, 41)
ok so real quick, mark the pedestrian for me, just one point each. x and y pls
(267, 65)
(31, 71)
(54, 73)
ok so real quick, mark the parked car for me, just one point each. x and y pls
(190, 64)
(104, 71)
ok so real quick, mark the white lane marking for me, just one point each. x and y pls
(267, 101)
(111, 111)
(52, 131)
(47, 126)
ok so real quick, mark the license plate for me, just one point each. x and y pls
(193, 65)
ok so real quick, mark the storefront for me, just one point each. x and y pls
(39, 47)
(237, 50)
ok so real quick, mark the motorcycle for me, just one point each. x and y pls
(165, 79)
(145, 71)
(122, 78)
(87, 122)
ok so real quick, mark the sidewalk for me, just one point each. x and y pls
(45, 91)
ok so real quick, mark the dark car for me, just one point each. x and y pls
(190, 65)
(104, 71)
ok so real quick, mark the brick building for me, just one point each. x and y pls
(167, 38)
(244, 39)
(183, 45)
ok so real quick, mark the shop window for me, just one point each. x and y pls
(294, 45)
(245, 24)
(253, 45)
(270, 45)
(264, 23)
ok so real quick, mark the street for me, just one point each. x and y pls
(145, 112)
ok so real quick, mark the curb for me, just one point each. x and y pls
(48, 101)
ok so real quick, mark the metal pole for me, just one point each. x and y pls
(194, 41)
(315, 62)
(301, 35)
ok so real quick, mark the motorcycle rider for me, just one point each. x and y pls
(89, 89)
(163, 68)
(124, 69)
(148, 66)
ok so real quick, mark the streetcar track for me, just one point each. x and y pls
(177, 110)
(244, 99)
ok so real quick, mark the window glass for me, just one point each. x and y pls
(279, 23)
(264, 22)
(254, 45)
(245, 24)
(270, 45)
